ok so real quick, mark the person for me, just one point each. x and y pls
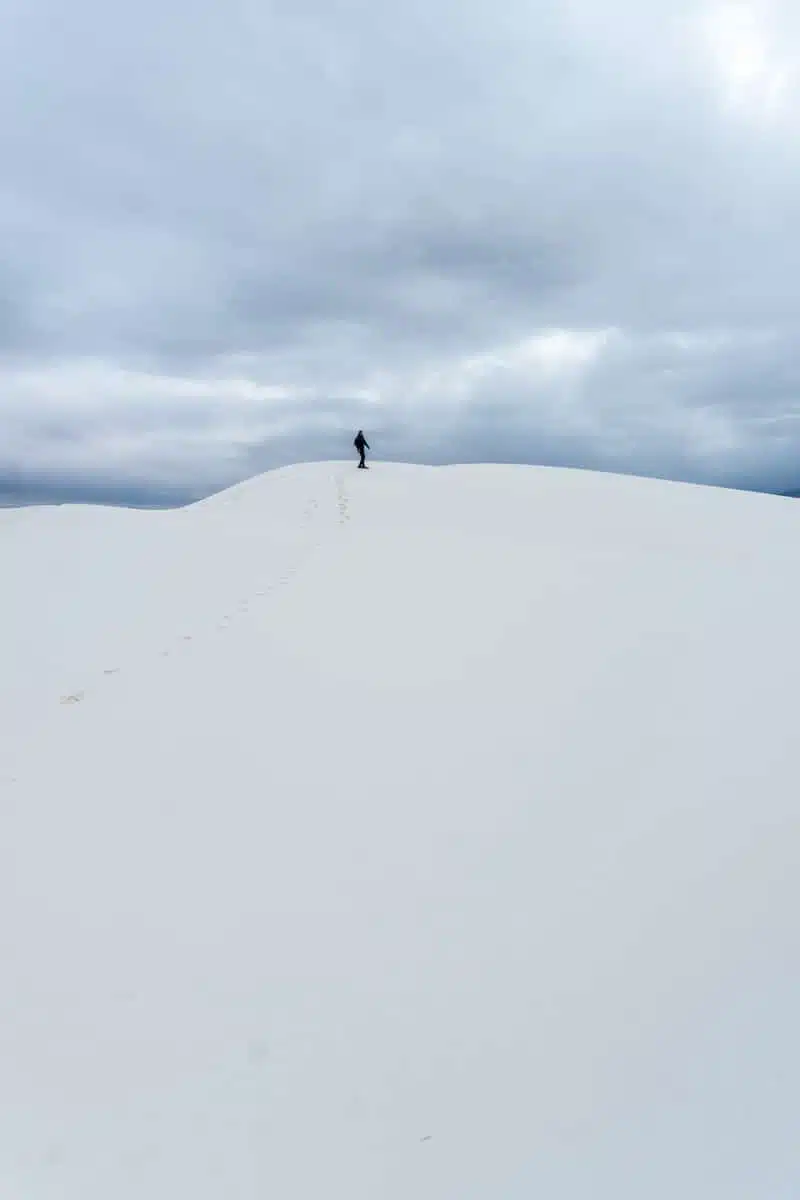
(361, 444)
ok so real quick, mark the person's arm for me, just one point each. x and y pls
(366, 443)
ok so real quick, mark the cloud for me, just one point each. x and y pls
(755, 75)
(556, 233)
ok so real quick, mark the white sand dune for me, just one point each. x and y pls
(419, 834)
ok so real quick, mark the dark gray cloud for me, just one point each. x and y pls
(548, 232)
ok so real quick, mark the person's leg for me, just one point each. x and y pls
(362, 463)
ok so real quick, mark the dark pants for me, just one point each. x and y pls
(361, 452)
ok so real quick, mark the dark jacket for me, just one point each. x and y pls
(360, 442)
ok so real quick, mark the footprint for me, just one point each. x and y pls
(73, 698)
(111, 671)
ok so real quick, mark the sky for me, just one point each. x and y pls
(550, 231)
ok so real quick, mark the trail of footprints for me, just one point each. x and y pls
(243, 607)
(342, 501)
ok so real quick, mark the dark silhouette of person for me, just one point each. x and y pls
(361, 444)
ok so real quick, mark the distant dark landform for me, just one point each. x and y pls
(16, 492)
(123, 496)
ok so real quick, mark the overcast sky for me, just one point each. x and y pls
(557, 231)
